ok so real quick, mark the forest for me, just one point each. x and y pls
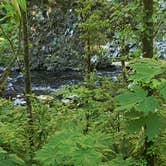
(82, 83)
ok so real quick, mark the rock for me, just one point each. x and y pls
(65, 101)
(10, 87)
(94, 59)
(18, 101)
(2, 69)
(73, 97)
(15, 69)
(118, 64)
(45, 98)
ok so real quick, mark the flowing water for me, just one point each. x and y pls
(45, 82)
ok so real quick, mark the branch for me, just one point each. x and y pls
(7, 37)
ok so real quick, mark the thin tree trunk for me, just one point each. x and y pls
(19, 45)
(147, 36)
(123, 49)
(27, 77)
(88, 60)
(27, 80)
(123, 65)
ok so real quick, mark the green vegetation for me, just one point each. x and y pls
(98, 122)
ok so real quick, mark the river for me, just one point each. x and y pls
(44, 82)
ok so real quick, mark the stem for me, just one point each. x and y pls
(150, 158)
(123, 65)
(6, 73)
(7, 37)
(19, 44)
(85, 131)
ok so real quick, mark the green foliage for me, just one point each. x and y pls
(145, 70)
(89, 124)
(70, 146)
(83, 126)
(10, 159)
(9, 31)
(70, 128)
(119, 160)
(138, 100)
(93, 26)
(138, 97)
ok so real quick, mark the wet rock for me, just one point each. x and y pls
(45, 98)
(19, 101)
(65, 101)
(15, 69)
(118, 64)
(2, 69)
(73, 97)
(10, 87)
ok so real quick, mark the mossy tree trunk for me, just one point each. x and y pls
(147, 49)
(147, 36)
(27, 81)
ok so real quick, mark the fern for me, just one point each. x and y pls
(119, 160)
(10, 159)
(70, 146)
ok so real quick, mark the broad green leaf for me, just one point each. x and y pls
(149, 104)
(130, 99)
(153, 125)
(152, 122)
(145, 70)
(132, 114)
(135, 125)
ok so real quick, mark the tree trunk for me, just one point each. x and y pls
(147, 36)
(123, 66)
(123, 49)
(147, 49)
(88, 60)
(27, 81)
